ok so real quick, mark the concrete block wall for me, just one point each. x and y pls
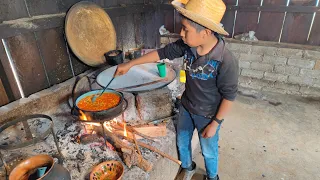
(274, 67)
(278, 69)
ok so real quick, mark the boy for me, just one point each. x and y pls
(211, 82)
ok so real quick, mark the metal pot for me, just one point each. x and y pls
(114, 59)
(27, 169)
(104, 115)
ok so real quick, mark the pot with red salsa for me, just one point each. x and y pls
(106, 107)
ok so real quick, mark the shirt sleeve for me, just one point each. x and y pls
(228, 75)
(173, 50)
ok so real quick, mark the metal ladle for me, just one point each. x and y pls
(94, 97)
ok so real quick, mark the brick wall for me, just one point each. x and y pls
(281, 68)
(278, 69)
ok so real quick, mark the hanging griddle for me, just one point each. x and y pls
(90, 32)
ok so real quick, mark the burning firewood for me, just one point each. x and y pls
(152, 149)
(136, 143)
(129, 154)
(133, 158)
(145, 131)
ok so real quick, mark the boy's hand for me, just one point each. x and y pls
(123, 69)
(210, 130)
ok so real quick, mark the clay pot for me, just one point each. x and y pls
(112, 170)
(27, 169)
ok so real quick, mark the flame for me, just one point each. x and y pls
(93, 124)
(89, 126)
(84, 117)
(125, 130)
(107, 124)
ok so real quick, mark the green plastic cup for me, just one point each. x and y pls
(162, 69)
(41, 171)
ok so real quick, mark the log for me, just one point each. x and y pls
(136, 143)
(133, 158)
(129, 155)
(146, 131)
(152, 130)
(119, 129)
(152, 149)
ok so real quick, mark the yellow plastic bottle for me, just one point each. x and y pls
(183, 76)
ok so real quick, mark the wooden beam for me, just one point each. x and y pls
(147, 130)
(37, 23)
(275, 8)
(266, 8)
(130, 9)
(3, 95)
(25, 25)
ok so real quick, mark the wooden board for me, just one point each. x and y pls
(168, 20)
(314, 38)
(228, 22)
(77, 65)
(297, 25)
(246, 21)
(270, 23)
(17, 27)
(41, 7)
(128, 36)
(228, 18)
(25, 53)
(151, 30)
(158, 22)
(54, 53)
(177, 22)
(138, 29)
(149, 130)
(6, 92)
(12, 9)
(7, 77)
(152, 130)
(118, 27)
(3, 95)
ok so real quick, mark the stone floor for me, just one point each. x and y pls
(269, 137)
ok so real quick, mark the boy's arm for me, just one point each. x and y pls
(227, 82)
(148, 58)
(171, 51)
(224, 108)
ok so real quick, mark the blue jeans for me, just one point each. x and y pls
(186, 124)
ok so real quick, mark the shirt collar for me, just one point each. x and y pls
(216, 53)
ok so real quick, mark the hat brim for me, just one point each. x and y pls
(201, 20)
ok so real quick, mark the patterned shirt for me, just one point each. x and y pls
(210, 78)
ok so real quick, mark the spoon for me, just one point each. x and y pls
(94, 98)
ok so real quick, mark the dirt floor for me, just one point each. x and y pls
(269, 137)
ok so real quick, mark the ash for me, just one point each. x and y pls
(79, 158)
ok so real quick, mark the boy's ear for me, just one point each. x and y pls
(208, 32)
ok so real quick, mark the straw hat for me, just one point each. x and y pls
(208, 13)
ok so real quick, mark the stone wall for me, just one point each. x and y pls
(274, 67)
(278, 69)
